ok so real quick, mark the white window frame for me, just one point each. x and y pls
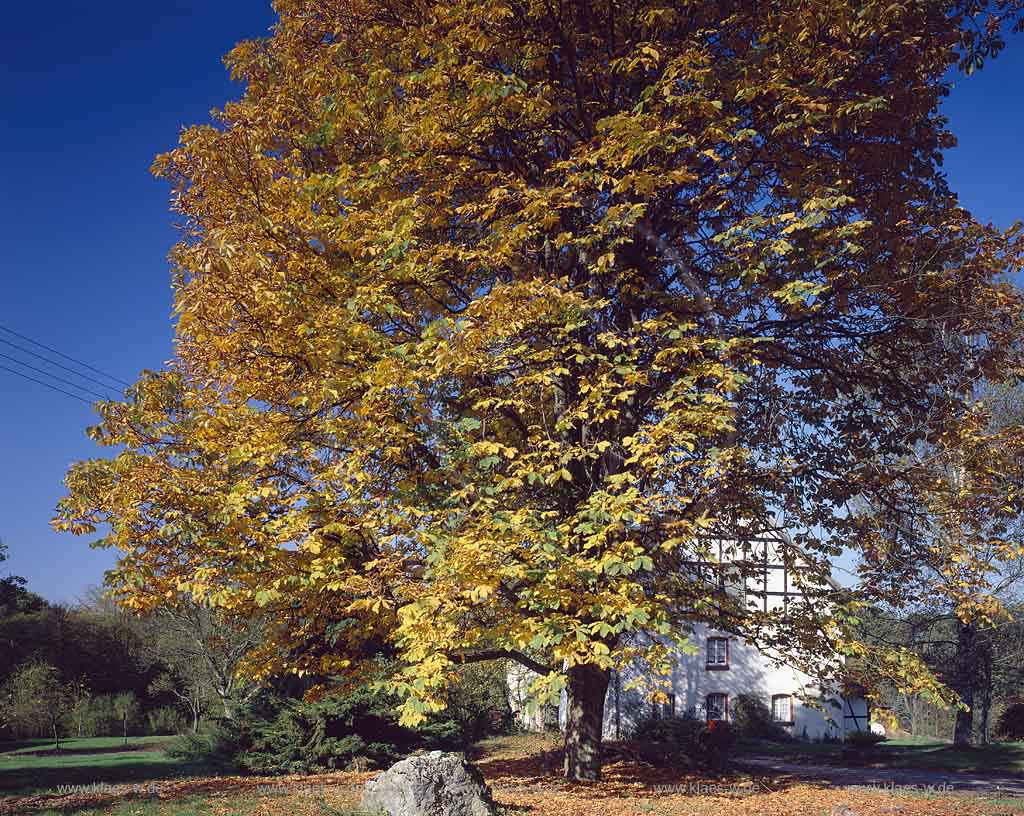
(721, 660)
(790, 705)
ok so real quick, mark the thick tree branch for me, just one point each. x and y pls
(503, 654)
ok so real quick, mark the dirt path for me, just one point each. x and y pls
(894, 779)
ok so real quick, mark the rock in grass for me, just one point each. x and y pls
(434, 784)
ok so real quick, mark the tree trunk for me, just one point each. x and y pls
(196, 707)
(124, 724)
(983, 710)
(964, 725)
(985, 658)
(965, 683)
(984, 706)
(588, 686)
(56, 735)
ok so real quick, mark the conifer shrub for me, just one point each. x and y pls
(285, 735)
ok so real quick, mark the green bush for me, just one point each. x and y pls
(215, 748)
(99, 718)
(164, 720)
(863, 739)
(279, 734)
(306, 738)
(708, 744)
(478, 702)
(752, 719)
(674, 730)
(1010, 725)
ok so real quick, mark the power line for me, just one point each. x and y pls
(55, 363)
(55, 377)
(47, 385)
(65, 356)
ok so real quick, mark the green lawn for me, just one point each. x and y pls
(909, 752)
(99, 760)
(999, 757)
(213, 806)
(791, 750)
(73, 745)
(30, 767)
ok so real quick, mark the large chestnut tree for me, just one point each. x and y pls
(494, 316)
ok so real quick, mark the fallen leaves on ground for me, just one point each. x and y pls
(524, 782)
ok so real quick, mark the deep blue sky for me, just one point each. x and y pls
(90, 93)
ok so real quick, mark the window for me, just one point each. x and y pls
(782, 708)
(717, 707)
(666, 708)
(718, 653)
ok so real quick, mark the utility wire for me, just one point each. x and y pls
(55, 363)
(65, 356)
(47, 385)
(54, 376)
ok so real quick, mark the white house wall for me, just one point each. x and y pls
(631, 692)
(749, 672)
(772, 567)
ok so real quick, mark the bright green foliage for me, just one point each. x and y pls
(36, 701)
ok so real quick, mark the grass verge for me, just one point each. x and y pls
(32, 766)
(908, 752)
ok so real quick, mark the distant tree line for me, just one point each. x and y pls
(973, 641)
(985, 663)
(93, 669)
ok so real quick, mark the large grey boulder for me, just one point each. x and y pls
(434, 784)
